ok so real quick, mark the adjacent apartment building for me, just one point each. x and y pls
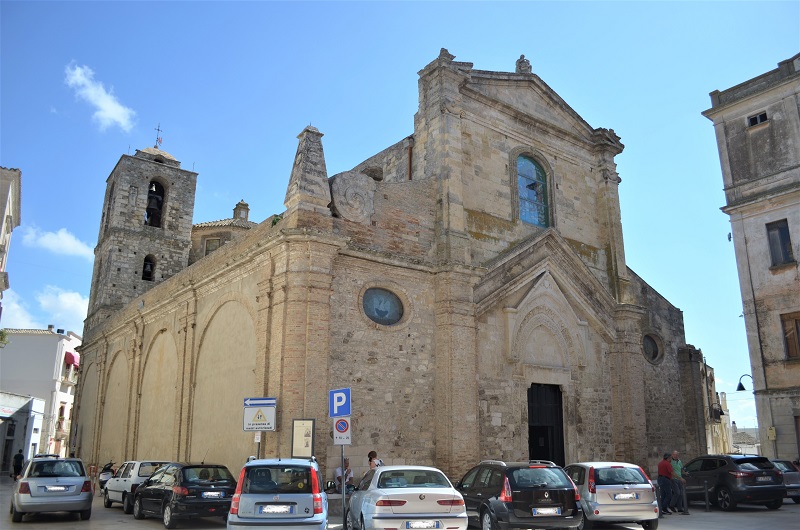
(10, 184)
(757, 125)
(44, 363)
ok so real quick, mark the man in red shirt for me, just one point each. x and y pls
(665, 484)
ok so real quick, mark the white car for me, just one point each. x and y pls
(407, 497)
(122, 486)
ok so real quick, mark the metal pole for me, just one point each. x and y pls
(685, 503)
(344, 491)
(705, 487)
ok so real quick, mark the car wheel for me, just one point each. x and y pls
(586, 523)
(487, 521)
(86, 514)
(652, 524)
(348, 522)
(127, 507)
(774, 505)
(725, 500)
(166, 516)
(106, 500)
(15, 515)
(137, 509)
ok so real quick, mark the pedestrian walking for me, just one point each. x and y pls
(665, 484)
(678, 484)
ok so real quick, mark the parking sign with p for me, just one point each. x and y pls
(339, 403)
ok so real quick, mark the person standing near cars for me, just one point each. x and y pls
(344, 477)
(374, 461)
(665, 484)
(19, 458)
(678, 484)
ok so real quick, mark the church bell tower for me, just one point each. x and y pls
(145, 230)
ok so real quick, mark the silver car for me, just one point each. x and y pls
(791, 478)
(52, 485)
(615, 492)
(279, 493)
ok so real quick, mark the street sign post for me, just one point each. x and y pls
(341, 431)
(259, 414)
(339, 403)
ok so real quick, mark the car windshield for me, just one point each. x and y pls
(146, 468)
(207, 474)
(277, 479)
(754, 464)
(539, 477)
(784, 466)
(412, 478)
(56, 468)
(612, 476)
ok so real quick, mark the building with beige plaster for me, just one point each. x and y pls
(757, 126)
(468, 284)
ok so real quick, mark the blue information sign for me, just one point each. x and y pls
(339, 403)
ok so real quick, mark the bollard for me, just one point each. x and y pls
(685, 501)
(705, 487)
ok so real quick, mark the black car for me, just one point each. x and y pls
(533, 494)
(729, 480)
(181, 490)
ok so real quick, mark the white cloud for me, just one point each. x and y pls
(15, 314)
(66, 309)
(109, 111)
(61, 242)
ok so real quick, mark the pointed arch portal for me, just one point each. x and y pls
(545, 423)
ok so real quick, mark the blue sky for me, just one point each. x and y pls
(232, 85)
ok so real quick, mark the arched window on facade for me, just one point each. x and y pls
(532, 185)
(149, 268)
(155, 202)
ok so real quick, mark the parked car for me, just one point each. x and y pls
(405, 497)
(534, 494)
(791, 478)
(615, 492)
(279, 493)
(52, 484)
(181, 490)
(730, 480)
(122, 486)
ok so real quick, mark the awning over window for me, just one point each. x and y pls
(72, 358)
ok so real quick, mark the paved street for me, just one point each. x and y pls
(745, 518)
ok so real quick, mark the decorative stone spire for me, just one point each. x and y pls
(241, 210)
(308, 186)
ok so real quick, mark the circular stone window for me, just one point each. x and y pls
(382, 306)
(651, 350)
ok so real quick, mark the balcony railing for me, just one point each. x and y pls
(62, 429)
(70, 377)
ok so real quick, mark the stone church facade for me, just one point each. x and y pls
(468, 284)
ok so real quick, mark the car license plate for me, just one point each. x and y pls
(625, 496)
(422, 524)
(55, 488)
(793, 493)
(213, 494)
(547, 511)
(275, 508)
(764, 479)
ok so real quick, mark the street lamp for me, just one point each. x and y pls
(741, 386)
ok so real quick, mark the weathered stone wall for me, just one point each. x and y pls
(491, 305)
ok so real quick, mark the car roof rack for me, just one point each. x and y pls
(496, 462)
(545, 462)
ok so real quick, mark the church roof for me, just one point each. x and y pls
(239, 223)
(158, 152)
